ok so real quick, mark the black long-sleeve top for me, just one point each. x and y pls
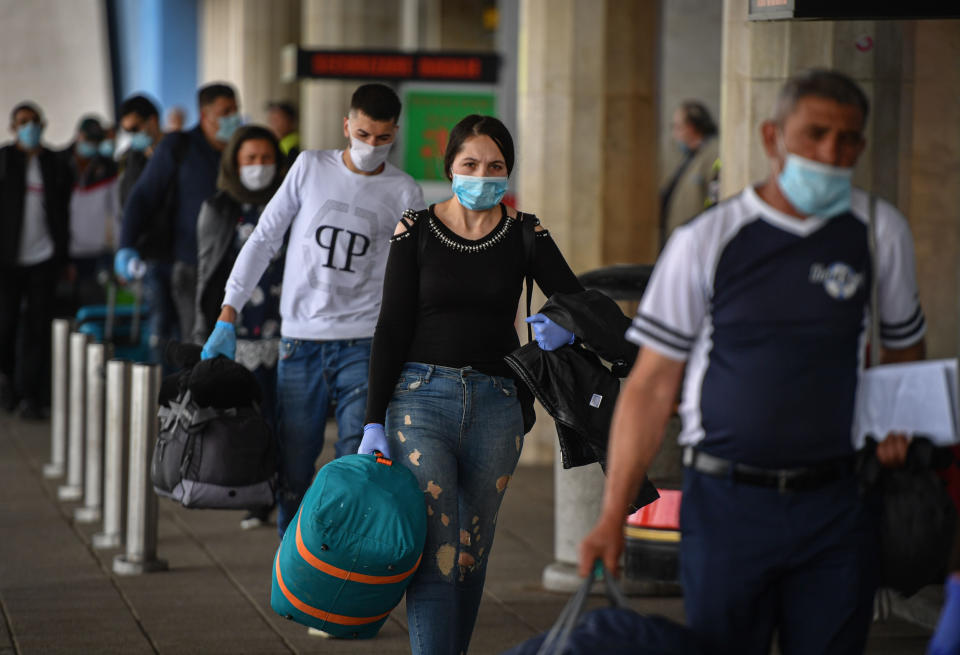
(451, 301)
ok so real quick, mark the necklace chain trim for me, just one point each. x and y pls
(488, 242)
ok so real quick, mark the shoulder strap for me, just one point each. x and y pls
(528, 224)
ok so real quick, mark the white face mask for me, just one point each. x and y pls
(257, 176)
(366, 157)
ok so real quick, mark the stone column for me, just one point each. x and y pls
(340, 24)
(934, 181)
(586, 159)
(241, 43)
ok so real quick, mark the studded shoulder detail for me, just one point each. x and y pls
(409, 219)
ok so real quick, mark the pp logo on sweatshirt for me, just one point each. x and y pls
(356, 246)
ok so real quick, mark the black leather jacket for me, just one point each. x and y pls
(573, 384)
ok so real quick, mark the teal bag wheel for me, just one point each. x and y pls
(352, 548)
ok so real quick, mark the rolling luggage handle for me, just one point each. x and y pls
(559, 635)
(109, 280)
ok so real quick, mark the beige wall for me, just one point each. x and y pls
(55, 53)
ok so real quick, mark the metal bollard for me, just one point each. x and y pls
(115, 462)
(59, 375)
(141, 551)
(73, 489)
(93, 471)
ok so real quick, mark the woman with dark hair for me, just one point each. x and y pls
(441, 399)
(249, 176)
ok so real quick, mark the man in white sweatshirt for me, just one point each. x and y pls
(340, 207)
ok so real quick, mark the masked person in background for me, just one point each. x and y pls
(442, 400)
(94, 211)
(339, 207)
(695, 184)
(249, 176)
(160, 216)
(34, 218)
(139, 120)
(761, 306)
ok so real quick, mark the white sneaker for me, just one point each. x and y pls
(313, 632)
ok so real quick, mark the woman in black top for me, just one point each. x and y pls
(438, 381)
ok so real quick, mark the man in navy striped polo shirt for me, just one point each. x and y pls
(761, 305)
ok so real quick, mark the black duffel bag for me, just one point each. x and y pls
(211, 456)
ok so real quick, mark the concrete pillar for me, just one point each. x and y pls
(586, 139)
(340, 24)
(909, 70)
(934, 180)
(241, 43)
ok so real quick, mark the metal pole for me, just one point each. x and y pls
(73, 489)
(93, 473)
(58, 394)
(141, 551)
(115, 463)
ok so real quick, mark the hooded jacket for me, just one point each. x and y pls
(216, 225)
(573, 384)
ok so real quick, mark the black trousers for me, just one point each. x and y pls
(26, 309)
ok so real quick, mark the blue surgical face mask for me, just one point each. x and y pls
(140, 141)
(479, 193)
(106, 148)
(814, 188)
(228, 125)
(86, 149)
(29, 135)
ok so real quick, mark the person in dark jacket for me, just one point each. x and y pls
(140, 121)
(249, 175)
(34, 202)
(186, 166)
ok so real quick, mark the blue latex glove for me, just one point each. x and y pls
(374, 439)
(128, 265)
(946, 639)
(548, 334)
(222, 341)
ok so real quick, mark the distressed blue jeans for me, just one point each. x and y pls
(312, 375)
(460, 432)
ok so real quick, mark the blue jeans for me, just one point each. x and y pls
(310, 376)
(460, 432)
(162, 321)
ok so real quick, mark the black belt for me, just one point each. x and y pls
(792, 479)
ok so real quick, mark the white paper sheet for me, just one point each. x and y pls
(918, 398)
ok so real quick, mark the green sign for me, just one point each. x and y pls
(428, 117)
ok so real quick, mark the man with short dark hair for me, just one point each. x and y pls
(187, 163)
(695, 184)
(761, 305)
(340, 208)
(140, 121)
(34, 206)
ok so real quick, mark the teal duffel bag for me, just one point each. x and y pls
(352, 547)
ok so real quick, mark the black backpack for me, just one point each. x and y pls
(918, 519)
